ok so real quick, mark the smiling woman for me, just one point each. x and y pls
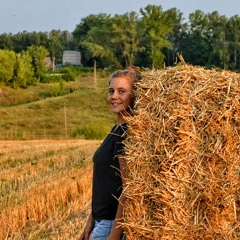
(109, 164)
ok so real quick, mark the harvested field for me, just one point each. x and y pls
(45, 188)
(183, 155)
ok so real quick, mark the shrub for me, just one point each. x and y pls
(90, 132)
(69, 74)
(47, 78)
(59, 89)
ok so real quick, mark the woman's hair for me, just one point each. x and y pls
(132, 73)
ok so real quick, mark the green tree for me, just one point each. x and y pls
(7, 65)
(177, 37)
(24, 40)
(98, 42)
(18, 42)
(55, 45)
(6, 42)
(38, 59)
(68, 42)
(233, 37)
(24, 74)
(127, 35)
(197, 47)
(44, 39)
(219, 55)
(86, 30)
(159, 26)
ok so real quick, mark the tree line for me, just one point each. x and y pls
(151, 38)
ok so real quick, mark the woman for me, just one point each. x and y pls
(104, 222)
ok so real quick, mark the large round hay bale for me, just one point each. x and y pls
(183, 154)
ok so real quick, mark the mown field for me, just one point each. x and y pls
(45, 188)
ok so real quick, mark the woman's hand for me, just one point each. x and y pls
(115, 235)
(86, 235)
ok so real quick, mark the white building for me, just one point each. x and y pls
(72, 58)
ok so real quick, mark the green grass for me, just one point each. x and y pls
(34, 113)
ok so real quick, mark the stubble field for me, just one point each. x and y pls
(45, 188)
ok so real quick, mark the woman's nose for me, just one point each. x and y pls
(115, 95)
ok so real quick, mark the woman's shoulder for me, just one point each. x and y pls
(120, 130)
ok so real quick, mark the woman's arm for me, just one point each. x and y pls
(117, 230)
(88, 229)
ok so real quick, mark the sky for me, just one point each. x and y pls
(46, 15)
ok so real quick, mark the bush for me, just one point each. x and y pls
(47, 78)
(60, 89)
(90, 132)
(69, 74)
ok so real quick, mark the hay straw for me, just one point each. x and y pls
(183, 154)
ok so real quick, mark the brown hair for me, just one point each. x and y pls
(132, 73)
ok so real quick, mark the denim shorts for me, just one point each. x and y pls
(102, 230)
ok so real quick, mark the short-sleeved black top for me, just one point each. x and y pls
(107, 182)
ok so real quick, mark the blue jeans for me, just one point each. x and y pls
(102, 229)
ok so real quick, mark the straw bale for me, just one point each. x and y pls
(183, 155)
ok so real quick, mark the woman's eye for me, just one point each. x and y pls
(121, 91)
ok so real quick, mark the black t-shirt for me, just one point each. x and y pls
(107, 182)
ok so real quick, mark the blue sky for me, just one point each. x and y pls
(46, 15)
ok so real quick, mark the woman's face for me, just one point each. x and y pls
(120, 95)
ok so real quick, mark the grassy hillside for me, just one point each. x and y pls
(35, 113)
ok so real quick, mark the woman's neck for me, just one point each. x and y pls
(120, 120)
